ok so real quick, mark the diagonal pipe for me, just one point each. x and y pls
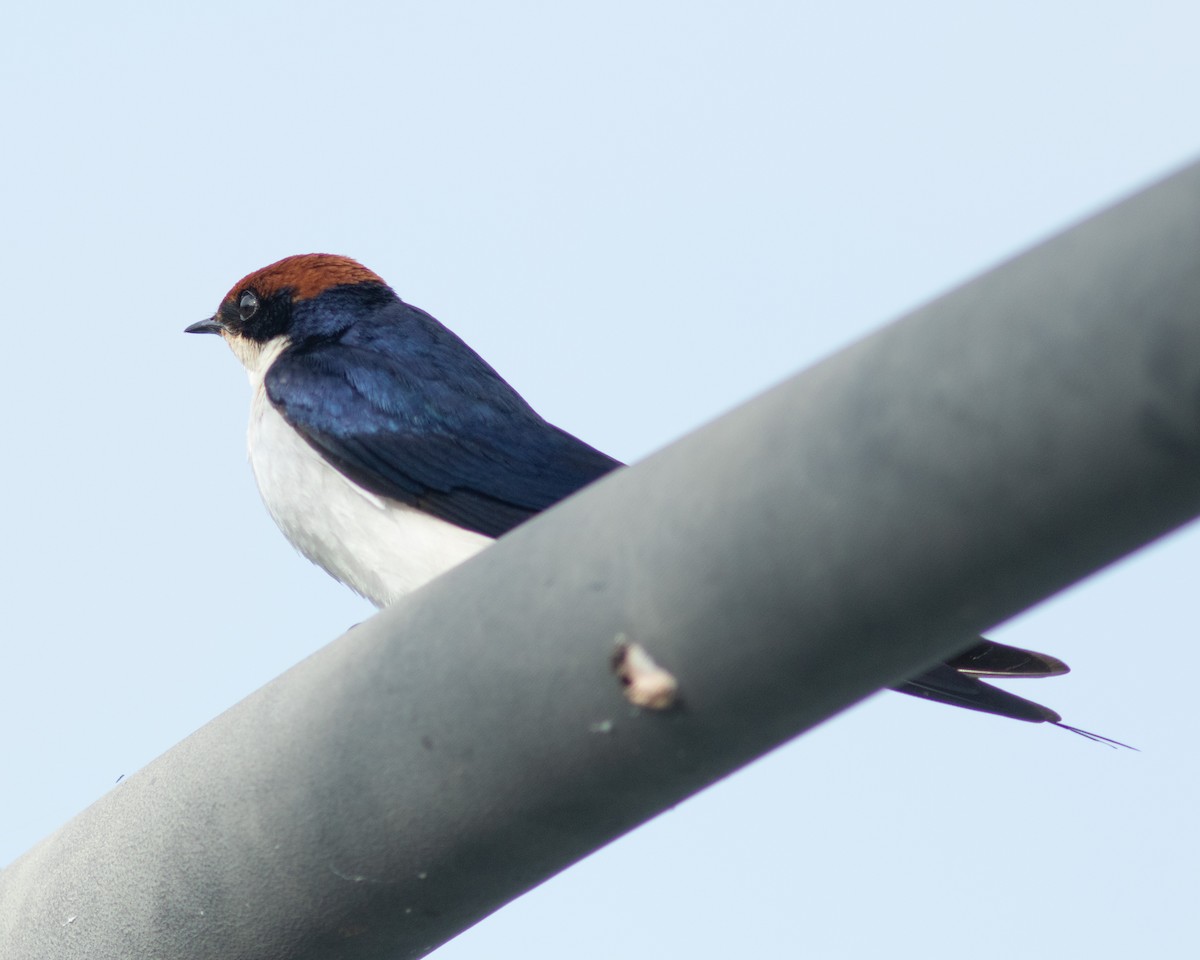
(841, 531)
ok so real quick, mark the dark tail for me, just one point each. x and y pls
(956, 682)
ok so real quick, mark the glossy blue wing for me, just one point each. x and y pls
(422, 419)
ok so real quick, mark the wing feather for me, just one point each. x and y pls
(428, 423)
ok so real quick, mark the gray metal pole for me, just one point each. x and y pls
(837, 533)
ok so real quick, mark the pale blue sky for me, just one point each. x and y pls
(641, 214)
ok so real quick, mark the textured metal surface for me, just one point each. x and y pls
(832, 536)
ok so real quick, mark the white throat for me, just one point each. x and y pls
(256, 357)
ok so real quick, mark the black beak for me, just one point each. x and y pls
(211, 325)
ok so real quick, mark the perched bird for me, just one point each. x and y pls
(388, 451)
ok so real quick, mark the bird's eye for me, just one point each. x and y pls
(247, 306)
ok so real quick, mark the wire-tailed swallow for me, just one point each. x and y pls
(388, 451)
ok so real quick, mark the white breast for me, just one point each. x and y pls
(377, 546)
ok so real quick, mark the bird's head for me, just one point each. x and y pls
(299, 299)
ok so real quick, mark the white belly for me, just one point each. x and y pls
(375, 545)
